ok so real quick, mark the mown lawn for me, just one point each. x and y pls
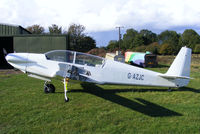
(24, 108)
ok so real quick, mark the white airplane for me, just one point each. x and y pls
(71, 65)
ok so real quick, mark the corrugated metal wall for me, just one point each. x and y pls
(7, 30)
(40, 43)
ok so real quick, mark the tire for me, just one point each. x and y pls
(49, 88)
(66, 100)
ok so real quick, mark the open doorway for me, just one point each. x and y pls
(6, 44)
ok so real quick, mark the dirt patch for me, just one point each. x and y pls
(9, 71)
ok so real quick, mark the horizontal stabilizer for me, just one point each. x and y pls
(173, 76)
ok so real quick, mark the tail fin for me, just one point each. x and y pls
(179, 71)
(181, 65)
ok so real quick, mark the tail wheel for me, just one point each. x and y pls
(49, 88)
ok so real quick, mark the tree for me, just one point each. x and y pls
(113, 45)
(189, 38)
(86, 43)
(35, 29)
(76, 30)
(54, 29)
(76, 33)
(78, 40)
(133, 39)
(138, 41)
(171, 38)
(148, 36)
(128, 39)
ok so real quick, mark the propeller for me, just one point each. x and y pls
(5, 52)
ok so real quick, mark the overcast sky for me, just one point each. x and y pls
(104, 15)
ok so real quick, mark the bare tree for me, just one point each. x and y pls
(55, 29)
(35, 29)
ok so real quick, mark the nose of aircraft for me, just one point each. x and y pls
(8, 58)
(16, 58)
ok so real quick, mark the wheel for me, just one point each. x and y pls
(49, 88)
(169, 90)
(66, 100)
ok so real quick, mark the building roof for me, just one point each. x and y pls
(10, 29)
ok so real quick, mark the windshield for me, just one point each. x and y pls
(87, 59)
(68, 56)
(60, 55)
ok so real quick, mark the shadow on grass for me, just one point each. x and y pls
(160, 90)
(139, 105)
(188, 89)
(137, 90)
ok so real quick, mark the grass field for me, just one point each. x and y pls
(24, 108)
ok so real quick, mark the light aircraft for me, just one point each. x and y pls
(76, 66)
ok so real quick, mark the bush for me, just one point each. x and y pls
(166, 49)
(139, 49)
(153, 48)
(98, 51)
(197, 49)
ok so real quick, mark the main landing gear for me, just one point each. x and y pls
(50, 88)
(169, 89)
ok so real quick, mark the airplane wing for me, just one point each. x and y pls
(75, 73)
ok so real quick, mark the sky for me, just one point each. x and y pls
(101, 17)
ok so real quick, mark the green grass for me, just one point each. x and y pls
(24, 108)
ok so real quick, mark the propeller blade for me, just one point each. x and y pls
(4, 52)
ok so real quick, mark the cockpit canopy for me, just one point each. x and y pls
(74, 57)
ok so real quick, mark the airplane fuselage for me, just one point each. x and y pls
(109, 72)
(76, 66)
